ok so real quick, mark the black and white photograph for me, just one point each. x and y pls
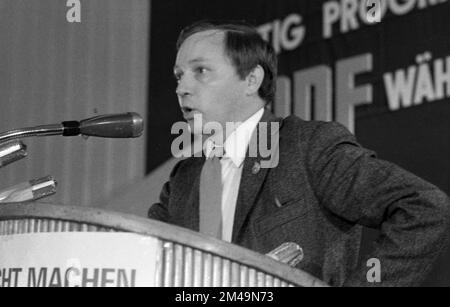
(224, 150)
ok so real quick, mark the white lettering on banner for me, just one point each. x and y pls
(77, 260)
(349, 96)
(313, 91)
(287, 34)
(345, 15)
(350, 15)
(425, 82)
(331, 14)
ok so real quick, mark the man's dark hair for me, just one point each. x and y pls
(245, 47)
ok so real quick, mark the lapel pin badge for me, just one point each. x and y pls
(277, 202)
(256, 168)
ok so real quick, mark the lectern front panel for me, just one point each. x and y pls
(177, 265)
(182, 257)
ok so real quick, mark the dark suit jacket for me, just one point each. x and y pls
(328, 187)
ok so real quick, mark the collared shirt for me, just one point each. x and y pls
(232, 164)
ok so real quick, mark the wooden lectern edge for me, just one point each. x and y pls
(135, 224)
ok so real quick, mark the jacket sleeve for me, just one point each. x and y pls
(411, 214)
(160, 211)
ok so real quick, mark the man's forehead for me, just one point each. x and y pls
(200, 44)
(215, 37)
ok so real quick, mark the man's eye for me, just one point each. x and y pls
(201, 70)
(177, 77)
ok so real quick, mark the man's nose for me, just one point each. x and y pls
(183, 89)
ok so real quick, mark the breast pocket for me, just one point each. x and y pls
(286, 220)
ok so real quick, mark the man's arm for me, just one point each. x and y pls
(412, 215)
(160, 210)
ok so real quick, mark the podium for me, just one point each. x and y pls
(155, 253)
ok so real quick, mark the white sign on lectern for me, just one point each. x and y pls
(77, 260)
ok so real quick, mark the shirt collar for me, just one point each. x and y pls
(237, 142)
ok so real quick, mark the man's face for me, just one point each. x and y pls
(208, 84)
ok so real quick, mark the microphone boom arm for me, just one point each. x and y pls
(46, 130)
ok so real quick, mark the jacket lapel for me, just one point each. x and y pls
(252, 179)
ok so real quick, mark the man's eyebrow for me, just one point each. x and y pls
(196, 60)
(193, 61)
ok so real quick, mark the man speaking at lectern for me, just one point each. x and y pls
(322, 188)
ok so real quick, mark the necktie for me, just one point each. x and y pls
(211, 198)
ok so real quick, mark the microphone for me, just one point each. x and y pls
(127, 125)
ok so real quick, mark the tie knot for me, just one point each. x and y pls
(213, 150)
(217, 152)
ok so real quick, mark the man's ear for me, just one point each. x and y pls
(254, 80)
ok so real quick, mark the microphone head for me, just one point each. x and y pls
(138, 124)
(127, 125)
